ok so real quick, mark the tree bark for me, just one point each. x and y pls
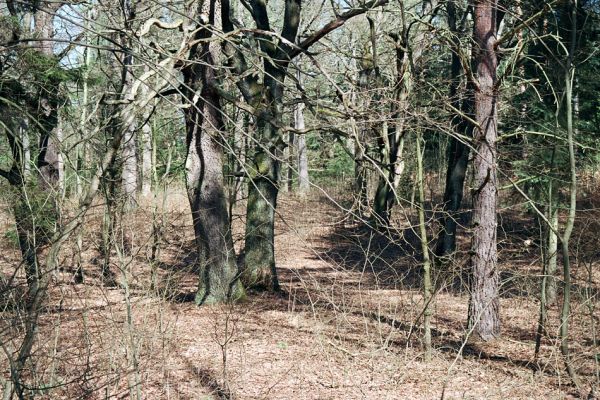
(484, 307)
(303, 178)
(204, 170)
(146, 145)
(129, 171)
(259, 257)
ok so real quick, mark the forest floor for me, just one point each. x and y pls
(346, 326)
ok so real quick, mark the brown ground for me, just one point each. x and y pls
(346, 327)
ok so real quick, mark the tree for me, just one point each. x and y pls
(484, 307)
(219, 278)
(264, 97)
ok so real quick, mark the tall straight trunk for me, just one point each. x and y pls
(206, 186)
(484, 307)
(37, 190)
(458, 152)
(569, 77)
(427, 286)
(303, 179)
(81, 149)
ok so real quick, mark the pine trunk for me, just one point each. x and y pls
(484, 307)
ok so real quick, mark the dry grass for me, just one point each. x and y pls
(346, 327)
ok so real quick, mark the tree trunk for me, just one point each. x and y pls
(259, 255)
(48, 161)
(427, 285)
(565, 313)
(484, 307)
(146, 148)
(204, 173)
(552, 249)
(303, 179)
(129, 174)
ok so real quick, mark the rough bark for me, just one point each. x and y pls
(484, 316)
(259, 257)
(259, 260)
(218, 272)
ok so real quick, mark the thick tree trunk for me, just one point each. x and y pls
(259, 255)
(484, 307)
(219, 278)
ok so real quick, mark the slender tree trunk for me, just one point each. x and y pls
(566, 257)
(81, 152)
(552, 248)
(484, 306)
(303, 179)
(427, 286)
(360, 174)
